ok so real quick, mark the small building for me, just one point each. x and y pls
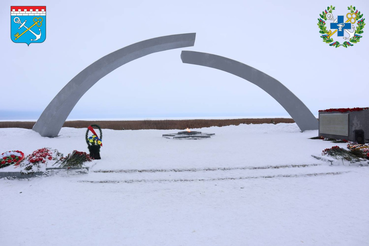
(345, 123)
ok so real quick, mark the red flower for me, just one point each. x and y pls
(343, 110)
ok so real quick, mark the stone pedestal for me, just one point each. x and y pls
(345, 123)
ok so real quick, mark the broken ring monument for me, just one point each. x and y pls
(55, 114)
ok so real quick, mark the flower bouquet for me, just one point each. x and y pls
(39, 159)
(356, 153)
(74, 160)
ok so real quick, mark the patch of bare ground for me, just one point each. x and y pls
(153, 124)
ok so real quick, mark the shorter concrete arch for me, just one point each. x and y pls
(292, 104)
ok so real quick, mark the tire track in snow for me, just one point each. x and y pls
(209, 179)
(205, 169)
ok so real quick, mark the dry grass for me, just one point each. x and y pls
(153, 124)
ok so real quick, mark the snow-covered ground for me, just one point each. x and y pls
(247, 185)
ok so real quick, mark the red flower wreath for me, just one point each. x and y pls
(11, 157)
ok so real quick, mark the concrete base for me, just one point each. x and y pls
(188, 135)
(20, 175)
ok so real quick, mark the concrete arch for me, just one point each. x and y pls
(293, 105)
(55, 114)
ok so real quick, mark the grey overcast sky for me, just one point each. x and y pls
(280, 38)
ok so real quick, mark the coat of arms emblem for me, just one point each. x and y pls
(28, 24)
(350, 30)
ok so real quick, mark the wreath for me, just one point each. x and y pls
(94, 139)
(11, 157)
(327, 35)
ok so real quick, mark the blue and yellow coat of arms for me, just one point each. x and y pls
(28, 24)
(350, 30)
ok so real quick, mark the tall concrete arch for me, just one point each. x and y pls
(55, 114)
(293, 105)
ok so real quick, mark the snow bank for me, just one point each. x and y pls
(247, 185)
